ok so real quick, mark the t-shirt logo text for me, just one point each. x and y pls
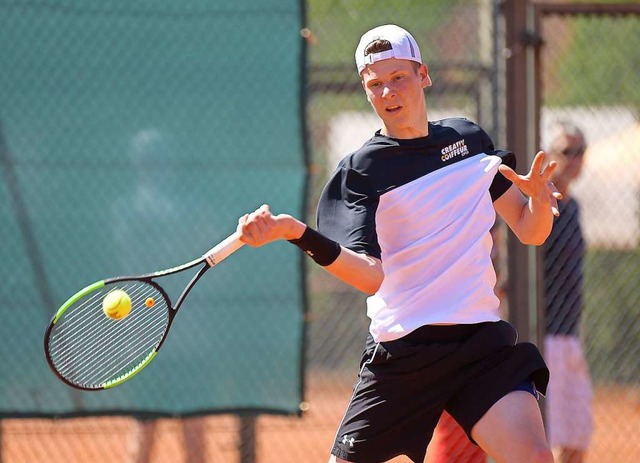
(459, 148)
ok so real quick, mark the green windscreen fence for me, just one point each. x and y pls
(132, 137)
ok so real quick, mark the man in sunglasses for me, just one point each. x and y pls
(569, 394)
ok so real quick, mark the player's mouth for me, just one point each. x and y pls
(393, 109)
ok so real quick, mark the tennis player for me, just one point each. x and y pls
(406, 219)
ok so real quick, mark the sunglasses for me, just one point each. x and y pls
(573, 152)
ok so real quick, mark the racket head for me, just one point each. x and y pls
(90, 351)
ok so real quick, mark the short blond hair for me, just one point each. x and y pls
(562, 128)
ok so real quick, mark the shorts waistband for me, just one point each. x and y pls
(444, 333)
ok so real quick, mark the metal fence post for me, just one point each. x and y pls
(521, 132)
(247, 439)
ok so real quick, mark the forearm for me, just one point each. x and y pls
(535, 223)
(362, 272)
(358, 270)
(530, 220)
(530, 204)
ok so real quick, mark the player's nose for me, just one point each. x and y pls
(387, 91)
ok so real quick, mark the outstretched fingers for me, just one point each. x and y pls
(537, 166)
(537, 184)
(509, 173)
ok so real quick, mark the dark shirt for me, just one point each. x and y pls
(424, 206)
(347, 208)
(563, 264)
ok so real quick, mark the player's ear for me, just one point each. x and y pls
(423, 71)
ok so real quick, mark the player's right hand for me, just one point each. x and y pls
(261, 227)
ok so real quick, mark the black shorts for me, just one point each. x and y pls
(404, 385)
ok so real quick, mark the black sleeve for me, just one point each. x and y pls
(346, 212)
(500, 183)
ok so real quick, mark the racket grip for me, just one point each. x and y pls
(224, 249)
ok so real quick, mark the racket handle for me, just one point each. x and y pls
(224, 249)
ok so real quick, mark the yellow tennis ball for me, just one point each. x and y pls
(116, 305)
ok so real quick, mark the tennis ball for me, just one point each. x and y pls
(150, 302)
(116, 305)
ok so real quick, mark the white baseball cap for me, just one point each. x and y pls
(403, 46)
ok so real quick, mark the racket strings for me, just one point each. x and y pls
(90, 349)
(98, 353)
(127, 340)
(76, 325)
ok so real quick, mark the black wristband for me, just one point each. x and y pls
(322, 250)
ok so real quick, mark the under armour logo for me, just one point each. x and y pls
(346, 440)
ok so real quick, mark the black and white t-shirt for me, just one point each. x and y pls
(424, 207)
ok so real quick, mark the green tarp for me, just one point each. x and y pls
(133, 136)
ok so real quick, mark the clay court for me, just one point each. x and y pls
(105, 440)
(118, 126)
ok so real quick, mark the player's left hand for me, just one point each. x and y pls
(536, 183)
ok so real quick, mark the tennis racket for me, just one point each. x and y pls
(88, 350)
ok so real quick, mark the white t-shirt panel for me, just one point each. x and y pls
(425, 208)
(437, 268)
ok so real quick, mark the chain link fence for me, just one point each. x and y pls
(590, 77)
(132, 137)
(457, 40)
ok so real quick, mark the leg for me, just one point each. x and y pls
(512, 431)
(193, 430)
(450, 444)
(569, 418)
(143, 440)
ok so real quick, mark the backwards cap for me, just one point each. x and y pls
(403, 46)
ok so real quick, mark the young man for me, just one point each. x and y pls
(407, 219)
(570, 394)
